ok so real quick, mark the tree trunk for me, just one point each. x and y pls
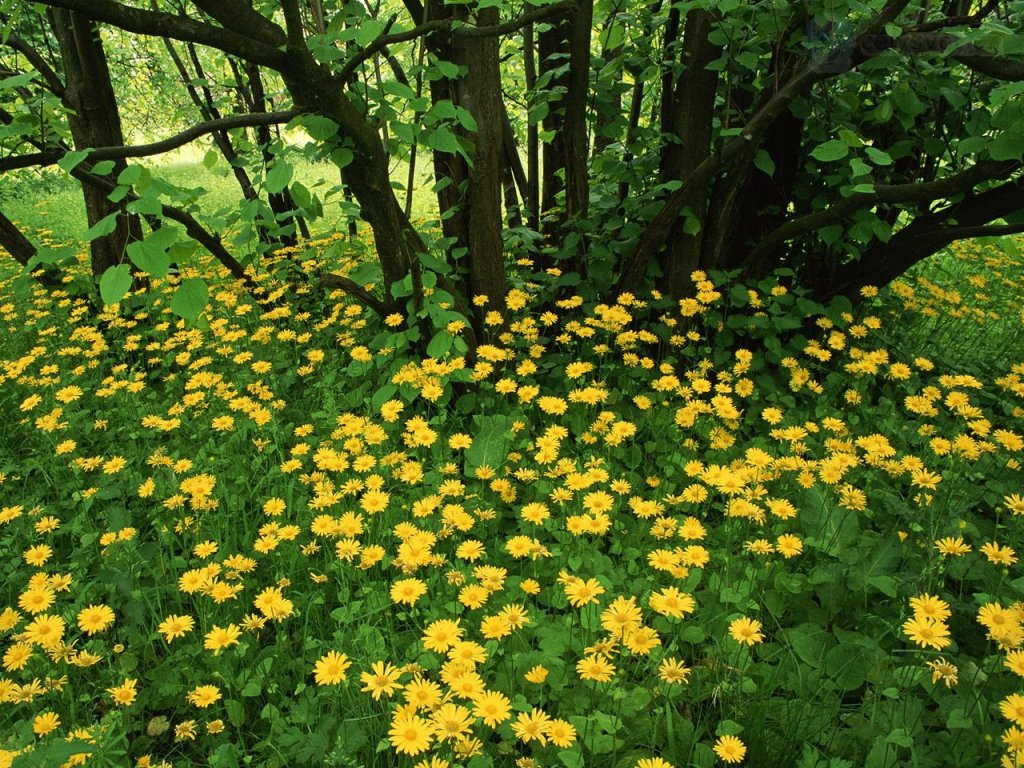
(532, 196)
(687, 113)
(479, 91)
(95, 122)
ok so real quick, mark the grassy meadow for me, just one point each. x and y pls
(741, 529)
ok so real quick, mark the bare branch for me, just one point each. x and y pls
(157, 147)
(350, 286)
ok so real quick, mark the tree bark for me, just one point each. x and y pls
(479, 91)
(95, 122)
(14, 241)
(687, 115)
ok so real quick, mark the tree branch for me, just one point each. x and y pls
(971, 56)
(53, 82)
(331, 280)
(455, 27)
(160, 24)
(883, 195)
(40, 159)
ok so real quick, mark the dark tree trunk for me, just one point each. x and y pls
(687, 113)
(925, 235)
(479, 91)
(532, 196)
(553, 50)
(565, 156)
(95, 122)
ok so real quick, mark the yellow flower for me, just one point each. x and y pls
(219, 638)
(537, 675)
(407, 591)
(672, 603)
(730, 749)
(927, 633)
(95, 618)
(330, 668)
(492, 707)
(175, 626)
(952, 546)
(595, 668)
(410, 734)
(125, 693)
(45, 723)
(532, 726)
(746, 631)
(382, 680)
(204, 695)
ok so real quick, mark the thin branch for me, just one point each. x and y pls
(456, 28)
(160, 24)
(293, 24)
(884, 195)
(971, 56)
(331, 280)
(39, 159)
(53, 82)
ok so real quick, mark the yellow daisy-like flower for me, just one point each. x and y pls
(927, 633)
(730, 749)
(125, 693)
(95, 618)
(407, 591)
(176, 626)
(330, 668)
(410, 734)
(204, 696)
(746, 631)
(44, 723)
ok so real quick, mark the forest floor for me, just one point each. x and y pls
(634, 535)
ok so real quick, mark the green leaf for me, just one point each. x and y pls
(443, 140)
(104, 226)
(1008, 145)
(490, 446)
(318, 127)
(447, 69)
(278, 176)
(102, 168)
(17, 81)
(764, 163)
(830, 151)
(440, 344)
(150, 255)
(115, 283)
(47, 255)
(342, 157)
(877, 156)
(72, 159)
(190, 298)
(210, 159)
